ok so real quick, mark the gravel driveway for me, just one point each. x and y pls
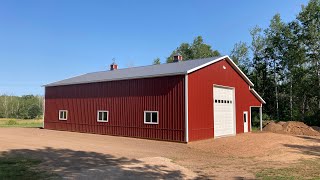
(89, 156)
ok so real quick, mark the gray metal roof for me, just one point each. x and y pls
(137, 72)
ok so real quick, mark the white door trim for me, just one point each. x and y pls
(245, 124)
(234, 108)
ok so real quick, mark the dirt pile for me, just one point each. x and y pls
(291, 127)
(273, 127)
(299, 128)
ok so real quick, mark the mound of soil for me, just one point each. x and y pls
(281, 122)
(291, 127)
(299, 128)
(273, 127)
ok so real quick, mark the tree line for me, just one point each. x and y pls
(21, 107)
(282, 60)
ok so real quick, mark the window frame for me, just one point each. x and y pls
(63, 119)
(145, 114)
(102, 111)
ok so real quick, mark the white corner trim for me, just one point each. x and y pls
(44, 108)
(257, 95)
(219, 59)
(186, 108)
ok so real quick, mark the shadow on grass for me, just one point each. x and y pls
(23, 168)
(91, 165)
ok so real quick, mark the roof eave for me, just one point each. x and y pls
(116, 79)
(254, 92)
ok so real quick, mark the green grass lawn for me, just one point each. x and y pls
(305, 169)
(22, 168)
(20, 122)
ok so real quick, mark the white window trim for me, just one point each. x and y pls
(102, 111)
(63, 119)
(151, 117)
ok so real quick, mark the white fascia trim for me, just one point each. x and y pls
(186, 108)
(219, 59)
(206, 64)
(239, 71)
(257, 95)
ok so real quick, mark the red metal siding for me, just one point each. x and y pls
(126, 102)
(200, 98)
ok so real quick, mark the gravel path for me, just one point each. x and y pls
(89, 156)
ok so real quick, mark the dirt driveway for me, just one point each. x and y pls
(89, 156)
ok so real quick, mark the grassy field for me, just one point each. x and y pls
(305, 169)
(22, 168)
(20, 122)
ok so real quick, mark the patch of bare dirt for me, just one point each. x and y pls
(291, 127)
(86, 156)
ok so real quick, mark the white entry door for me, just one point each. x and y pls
(245, 121)
(223, 109)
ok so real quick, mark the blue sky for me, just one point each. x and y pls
(42, 41)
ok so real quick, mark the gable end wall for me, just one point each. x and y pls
(200, 98)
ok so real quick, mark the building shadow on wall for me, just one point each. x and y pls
(91, 165)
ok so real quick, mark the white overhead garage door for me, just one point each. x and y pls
(224, 122)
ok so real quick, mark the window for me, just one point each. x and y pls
(63, 115)
(151, 117)
(103, 116)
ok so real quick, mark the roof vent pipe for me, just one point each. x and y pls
(113, 66)
(177, 57)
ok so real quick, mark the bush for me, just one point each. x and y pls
(313, 120)
(33, 111)
(11, 122)
(256, 118)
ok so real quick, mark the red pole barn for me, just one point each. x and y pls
(183, 101)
